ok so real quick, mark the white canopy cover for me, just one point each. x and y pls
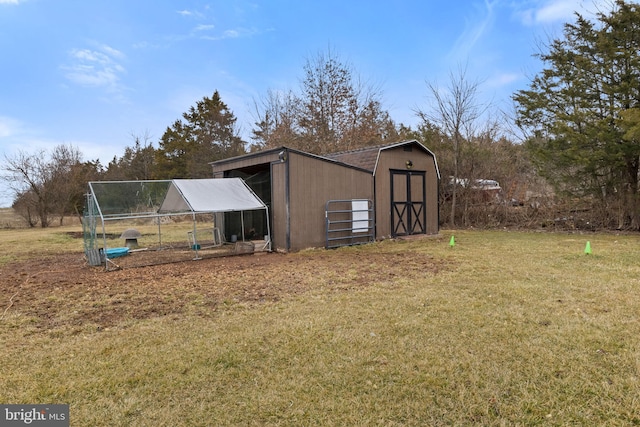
(209, 195)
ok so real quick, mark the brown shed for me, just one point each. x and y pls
(343, 198)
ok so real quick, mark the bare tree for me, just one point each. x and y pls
(65, 180)
(42, 185)
(334, 110)
(26, 176)
(275, 120)
(456, 111)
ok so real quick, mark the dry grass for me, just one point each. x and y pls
(19, 242)
(9, 219)
(23, 243)
(508, 329)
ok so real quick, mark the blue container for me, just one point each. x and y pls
(117, 252)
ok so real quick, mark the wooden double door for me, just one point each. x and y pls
(408, 206)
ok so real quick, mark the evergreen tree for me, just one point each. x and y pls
(137, 162)
(206, 133)
(575, 112)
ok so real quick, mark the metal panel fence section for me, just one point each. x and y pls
(349, 222)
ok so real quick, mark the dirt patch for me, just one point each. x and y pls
(63, 291)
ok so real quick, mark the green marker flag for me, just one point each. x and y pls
(452, 242)
(587, 249)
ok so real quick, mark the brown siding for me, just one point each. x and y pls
(278, 207)
(313, 182)
(396, 158)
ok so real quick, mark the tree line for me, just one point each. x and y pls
(569, 150)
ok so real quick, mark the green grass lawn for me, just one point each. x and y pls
(514, 328)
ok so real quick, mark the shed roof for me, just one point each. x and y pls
(367, 157)
(364, 158)
(224, 163)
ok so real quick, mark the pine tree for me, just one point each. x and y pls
(207, 133)
(574, 111)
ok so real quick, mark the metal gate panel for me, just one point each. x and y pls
(349, 222)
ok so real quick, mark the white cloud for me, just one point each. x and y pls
(558, 10)
(190, 13)
(97, 68)
(205, 31)
(204, 28)
(503, 79)
(232, 34)
(8, 126)
(474, 32)
(112, 52)
(11, 1)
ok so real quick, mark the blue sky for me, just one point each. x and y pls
(95, 74)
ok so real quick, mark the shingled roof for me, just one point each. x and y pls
(367, 157)
(364, 158)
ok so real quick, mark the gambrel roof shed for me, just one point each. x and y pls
(399, 180)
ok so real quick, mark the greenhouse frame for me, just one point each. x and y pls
(221, 204)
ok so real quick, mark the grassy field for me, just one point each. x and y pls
(17, 242)
(507, 328)
(9, 219)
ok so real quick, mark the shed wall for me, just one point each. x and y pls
(313, 182)
(279, 216)
(396, 158)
